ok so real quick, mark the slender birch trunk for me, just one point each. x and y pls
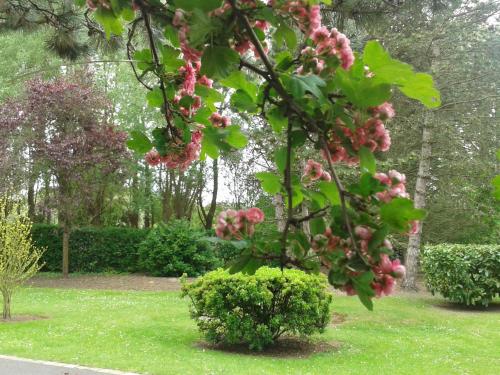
(413, 250)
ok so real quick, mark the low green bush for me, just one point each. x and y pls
(91, 249)
(177, 248)
(257, 309)
(466, 274)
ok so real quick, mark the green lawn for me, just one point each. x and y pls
(151, 332)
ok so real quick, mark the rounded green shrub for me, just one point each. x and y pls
(257, 309)
(177, 248)
(466, 274)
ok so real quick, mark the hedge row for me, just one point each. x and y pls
(466, 274)
(166, 250)
(91, 249)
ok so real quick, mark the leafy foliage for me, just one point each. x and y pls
(466, 274)
(92, 249)
(257, 309)
(175, 249)
(19, 257)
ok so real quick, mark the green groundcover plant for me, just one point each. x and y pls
(466, 274)
(257, 309)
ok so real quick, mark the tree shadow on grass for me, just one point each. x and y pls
(285, 347)
(493, 307)
(22, 319)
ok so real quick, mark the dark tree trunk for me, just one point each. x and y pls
(213, 203)
(65, 262)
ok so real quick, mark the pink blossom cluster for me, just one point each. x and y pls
(219, 121)
(335, 145)
(395, 182)
(232, 224)
(181, 156)
(385, 111)
(313, 171)
(372, 134)
(385, 270)
(332, 43)
(308, 17)
(326, 243)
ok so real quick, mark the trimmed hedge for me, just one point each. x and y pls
(91, 249)
(257, 309)
(466, 274)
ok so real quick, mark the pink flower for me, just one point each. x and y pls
(238, 224)
(219, 121)
(363, 232)
(415, 226)
(398, 269)
(255, 215)
(205, 81)
(152, 158)
(385, 264)
(325, 176)
(395, 175)
(384, 111)
(313, 170)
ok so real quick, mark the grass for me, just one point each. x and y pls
(151, 332)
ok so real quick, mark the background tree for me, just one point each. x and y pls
(64, 122)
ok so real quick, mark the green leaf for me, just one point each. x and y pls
(361, 284)
(201, 27)
(202, 116)
(299, 85)
(109, 21)
(171, 35)
(209, 143)
(170, 58)
(235, 137)
(209, 95)
(418, 86)
(297, 196)
(399, 212)
(498, 154)
(421, 87)
(496, 187)
(205, 5)
(270, 182)
(243, 102)
(277, 119)
(219, 62)
(155, 97)
(144, 58)
(329, 189)
(139, 142)
(317, 226)
(280, 158)
(367, 161)
(160, 141)
(285, 34)
(239, 81)
(362, 91)
(368, 185)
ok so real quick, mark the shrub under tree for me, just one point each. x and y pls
(257, 309)
(18, 256)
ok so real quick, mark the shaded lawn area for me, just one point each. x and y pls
(151, 332)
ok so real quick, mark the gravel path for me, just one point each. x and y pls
(107, 282)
